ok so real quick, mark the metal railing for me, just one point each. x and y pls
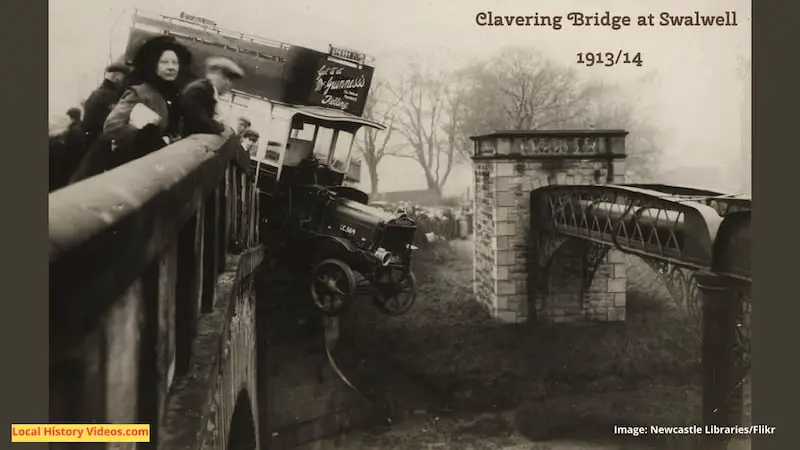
(212, 29)
(224, 33)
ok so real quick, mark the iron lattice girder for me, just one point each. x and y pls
(722, 203)
(595, 254)
(671, 224)
(680, 282)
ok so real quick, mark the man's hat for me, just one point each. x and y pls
(250, 134)
(226, 66)
(74, 113)
(118, 67)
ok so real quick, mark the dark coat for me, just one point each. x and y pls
(98, 159)
(97, 107)
(197, 109)
(66, 152)
(132, 143)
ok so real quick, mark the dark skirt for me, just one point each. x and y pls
(146, 141)
(96, 161)
(103, 156)
(65, 157)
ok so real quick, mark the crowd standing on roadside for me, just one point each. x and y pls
(142, 105)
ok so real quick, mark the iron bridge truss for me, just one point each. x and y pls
(677, 231)
(670, 226)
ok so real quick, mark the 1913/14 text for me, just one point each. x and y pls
(609, 59)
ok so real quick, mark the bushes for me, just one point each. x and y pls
(442, 221)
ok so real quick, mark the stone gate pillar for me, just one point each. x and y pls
(508, 165)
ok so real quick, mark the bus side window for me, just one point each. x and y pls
(296, 151)
(272, 155)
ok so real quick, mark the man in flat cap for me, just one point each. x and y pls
(242, 124)
(96, 109)
(249, 140)
(198, 102)
(100, 102)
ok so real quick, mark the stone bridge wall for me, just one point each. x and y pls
(303, 399)
(485, 263)
(507, 168)
(148, 308)
(223, 369)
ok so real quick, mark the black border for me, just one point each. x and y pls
(24, 230)
(23, 194)
(774, 375)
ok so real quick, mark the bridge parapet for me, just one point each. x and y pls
(510, 164)
(151, 298)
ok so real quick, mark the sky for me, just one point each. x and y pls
(690, 85)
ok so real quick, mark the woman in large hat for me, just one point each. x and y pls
(146, 117)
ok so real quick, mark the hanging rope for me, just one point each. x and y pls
(339, 372)
(346, 381)
(111, 36)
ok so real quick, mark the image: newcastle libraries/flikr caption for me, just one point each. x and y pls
(696, 429)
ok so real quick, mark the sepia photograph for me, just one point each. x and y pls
(474, 224)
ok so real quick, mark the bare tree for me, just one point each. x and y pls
(374, 144)
(519, 89)
(610, 108)
(428, 118)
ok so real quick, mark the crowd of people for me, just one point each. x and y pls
(143, 105)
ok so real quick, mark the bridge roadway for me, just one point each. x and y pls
(153, 304)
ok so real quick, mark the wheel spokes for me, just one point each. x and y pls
(336, 276)
(332, 284)
(337, 290)
(397, 294)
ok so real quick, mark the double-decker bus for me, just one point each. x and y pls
(298, 99)
(307, 106)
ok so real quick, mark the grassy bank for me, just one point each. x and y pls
(447, 359)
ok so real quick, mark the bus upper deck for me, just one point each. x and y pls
(275, 70)
(284, 85)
